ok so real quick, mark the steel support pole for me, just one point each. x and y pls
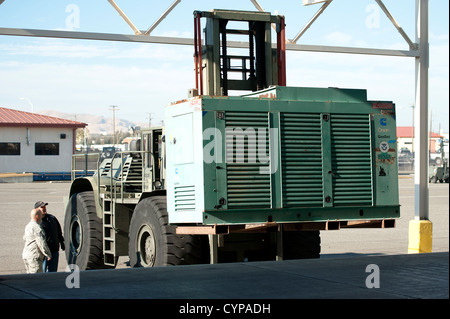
(421, 113)
(310, 22)
(257, 5)
(279, 255)
(395, 23)
(213, 249)
(124, 17)
(162, 17)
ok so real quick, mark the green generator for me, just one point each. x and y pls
(282, 155)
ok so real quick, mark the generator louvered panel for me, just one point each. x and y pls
(184, 198)
(246, 146)
(351, 159)
(301, 156)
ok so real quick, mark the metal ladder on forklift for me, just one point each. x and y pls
(115, 231)
(109, 233)
(111, 251)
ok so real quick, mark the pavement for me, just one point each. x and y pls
(17, 199)
(424, 276)
(349, 259)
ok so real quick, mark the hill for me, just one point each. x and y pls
(96, 124)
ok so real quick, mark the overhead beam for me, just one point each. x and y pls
(162, 17)
(257, 5)
(124, 16)
(411, 44)
(351, 50)
(310, 22)
(188, 41)
(95, 36)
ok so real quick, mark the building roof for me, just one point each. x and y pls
(15, 118)
(408, 131)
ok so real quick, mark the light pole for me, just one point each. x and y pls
(113, 108)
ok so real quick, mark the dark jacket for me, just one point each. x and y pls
(53, 233)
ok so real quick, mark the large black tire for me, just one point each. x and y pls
(83, 232)
(153, 242)
(301, 245)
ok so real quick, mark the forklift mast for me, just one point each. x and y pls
(220, 69)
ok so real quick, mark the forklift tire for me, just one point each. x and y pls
(153, 242)
(83, 232)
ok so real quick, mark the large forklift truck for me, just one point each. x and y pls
(239, 178)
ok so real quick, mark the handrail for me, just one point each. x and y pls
(113, 182)
(85, 170)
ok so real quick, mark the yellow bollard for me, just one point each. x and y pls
(420, 236)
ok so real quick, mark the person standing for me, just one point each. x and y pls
(53, 236)
(36, 248)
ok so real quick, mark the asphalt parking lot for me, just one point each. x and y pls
(17, 199)
(407, 276)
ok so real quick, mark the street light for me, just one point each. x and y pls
(113, 108)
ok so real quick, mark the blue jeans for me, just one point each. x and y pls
(52, 264)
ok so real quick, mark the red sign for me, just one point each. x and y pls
(383, 105)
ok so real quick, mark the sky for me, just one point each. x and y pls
(87, 77)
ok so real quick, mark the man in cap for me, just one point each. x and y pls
(36, 249)
(53, 236)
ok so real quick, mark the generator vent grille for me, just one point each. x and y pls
(303, 139)
(301, 156)
(351, 159)
(184, 198)
(247, 187)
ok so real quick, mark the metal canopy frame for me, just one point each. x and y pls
(146, 37)
(418, 50)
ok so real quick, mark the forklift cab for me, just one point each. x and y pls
(153, 172)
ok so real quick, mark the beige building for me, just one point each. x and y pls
(36, 143)
(405, 139)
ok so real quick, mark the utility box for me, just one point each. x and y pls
(284, 155)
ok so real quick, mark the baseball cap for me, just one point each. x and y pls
(40, 204)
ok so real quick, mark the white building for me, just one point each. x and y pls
(36, 143)
(405, 139)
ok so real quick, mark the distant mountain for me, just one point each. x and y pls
(96, 124)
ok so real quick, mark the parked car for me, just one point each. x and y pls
(405, 156)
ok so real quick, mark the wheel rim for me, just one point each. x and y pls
(146, 246)
(76, 235)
